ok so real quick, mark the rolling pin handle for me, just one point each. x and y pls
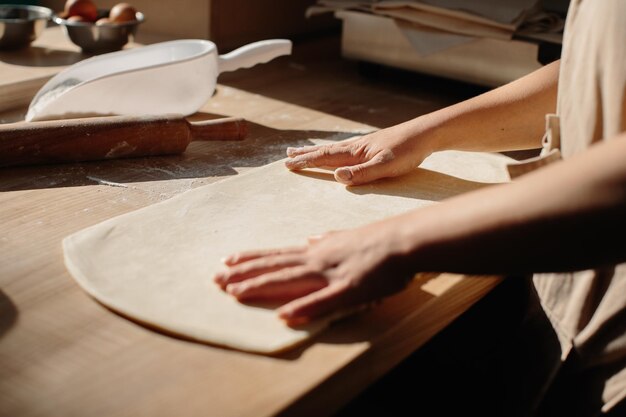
(228, 128)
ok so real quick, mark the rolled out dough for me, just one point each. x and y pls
(155, 265)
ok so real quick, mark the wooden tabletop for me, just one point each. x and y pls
(63, 354)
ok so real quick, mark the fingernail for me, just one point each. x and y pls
(298, 321)
(232, 259)
(291, 320)
(284, 314)
(315, 238)
(220, 277)
(296, 164)
(344, 174)
(291, 151)
(234, 289)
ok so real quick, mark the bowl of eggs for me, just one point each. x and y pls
(99, 30)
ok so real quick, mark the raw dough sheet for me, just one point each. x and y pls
(155, 265)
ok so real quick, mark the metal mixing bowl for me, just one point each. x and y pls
(94, 38)
(20, 25)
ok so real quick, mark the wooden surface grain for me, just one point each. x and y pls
(63, 354)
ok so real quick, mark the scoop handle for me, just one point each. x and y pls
(254, 53)
(111, 137)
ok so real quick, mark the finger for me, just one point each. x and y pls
(241, 257)
(377, 167)
(327, 156)
(293, 151)
(285, 284)
(255, 267)
(316, 238)
(314, 305)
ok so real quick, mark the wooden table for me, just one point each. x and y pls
(63, 354)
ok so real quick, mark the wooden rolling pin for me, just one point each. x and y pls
(97, 138)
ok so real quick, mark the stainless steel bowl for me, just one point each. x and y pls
(20, 25)
(94, 38)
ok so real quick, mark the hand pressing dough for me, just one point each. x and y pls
(155, 265)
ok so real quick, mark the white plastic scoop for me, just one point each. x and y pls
(169, 77)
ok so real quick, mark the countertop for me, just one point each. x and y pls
(62, 353)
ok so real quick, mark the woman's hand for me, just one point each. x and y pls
(507, 118)
(337, 271)
(386, 153)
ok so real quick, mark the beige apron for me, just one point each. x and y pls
(588, 308)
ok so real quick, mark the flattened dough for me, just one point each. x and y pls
(155, 264)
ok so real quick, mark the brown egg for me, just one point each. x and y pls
(104, 21)
(76, 18)
(122, 12)
(83, 8)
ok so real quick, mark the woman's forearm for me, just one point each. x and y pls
(510, 117)
(558, 218)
